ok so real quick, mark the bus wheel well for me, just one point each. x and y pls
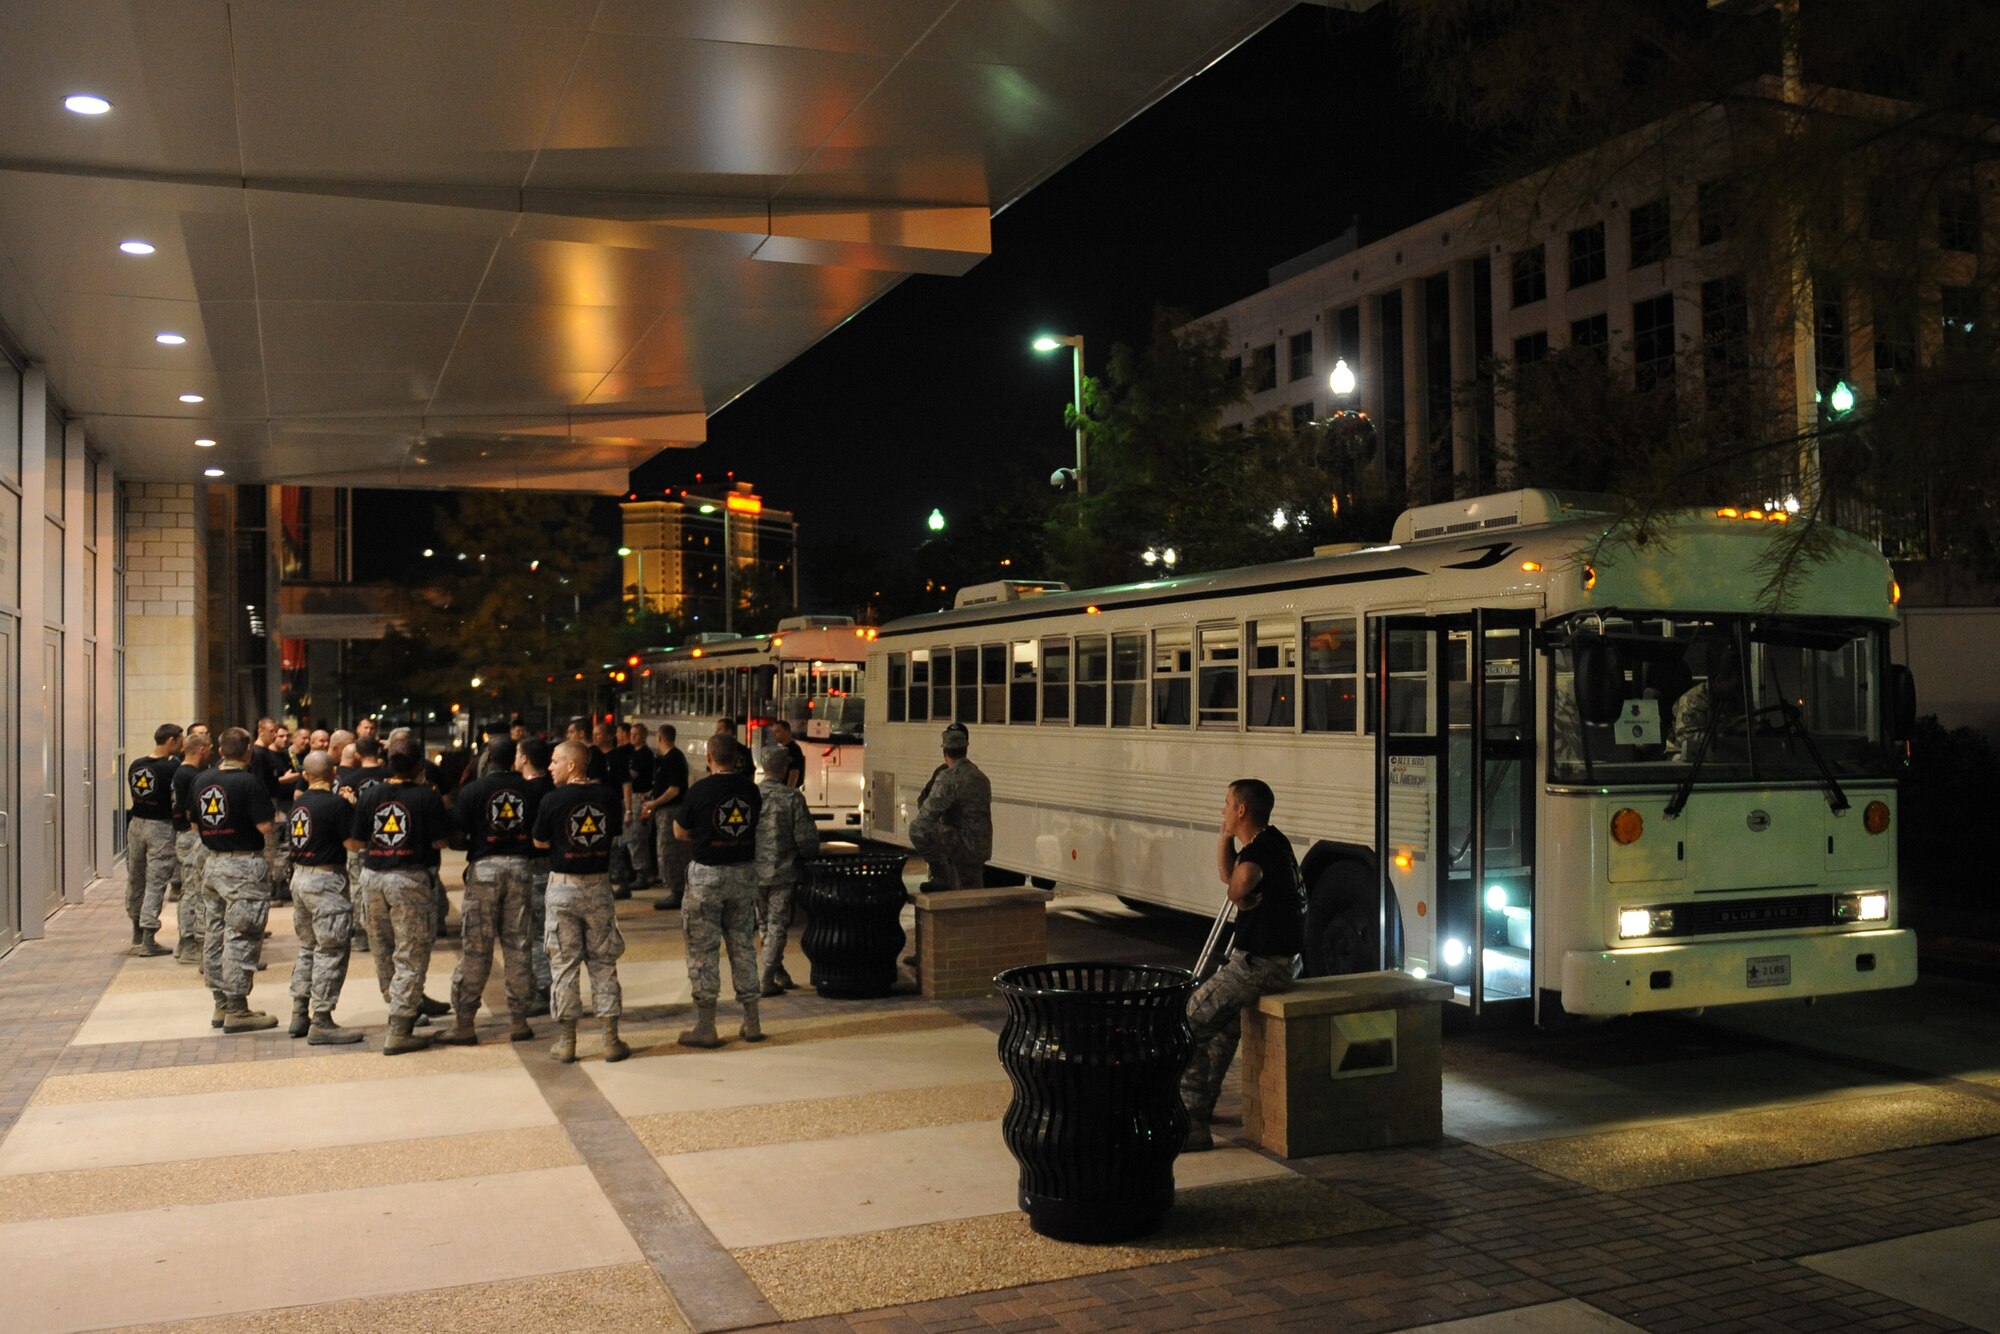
(1343, 916)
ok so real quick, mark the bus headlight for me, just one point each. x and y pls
(1636, 922)
(1861, 908)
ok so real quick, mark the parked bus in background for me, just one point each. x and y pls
(809, 673)
(1611, 777)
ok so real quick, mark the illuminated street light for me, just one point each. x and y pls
(478, 682)
(1841, 400)
(936, 521)
(1046, 343)
(1342, 379)
(1279, 518)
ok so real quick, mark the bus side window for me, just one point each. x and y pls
(899, 675)
(1219, 686)
(1173, 666)
(1274, 669)
(920, 684)
(1092, 664)
(1055, 680)
(968, 684)
(1329, 675)
(1128, 680)
(941, 685)
(1021, 688)
(993, 683)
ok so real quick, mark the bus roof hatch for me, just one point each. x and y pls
(1507, 509)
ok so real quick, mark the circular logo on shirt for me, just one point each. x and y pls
(301, 829)
(587, 825)
(506, 812)
(214, 807)
(734, 818)
(392, 825)
(143, 782)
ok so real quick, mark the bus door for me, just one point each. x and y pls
(1454, 796)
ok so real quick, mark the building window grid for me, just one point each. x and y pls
(1530, 275)
(1299, 349)
(1594, 333)
(1716, 207)
(1586, 256)
(1264, 368)
(1653, 340)
(1651, 230)
(1958, 219)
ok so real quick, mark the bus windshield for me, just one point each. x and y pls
(1751, 698)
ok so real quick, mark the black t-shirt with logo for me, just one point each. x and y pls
(149, 785)
(183, 792)
(1277, 925)
(358, 780)
(579, 822)
(318, 823)
(497, 815)
(539, 788)
(229, 804)
(798, 776)
(618, 766)
(268, 765)
(721, 812)
(670, 770)
(396, 824)
(639, 769)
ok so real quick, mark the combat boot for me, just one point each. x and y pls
(614, 1046)
(401, 1039)
(137, 934)
(463, 1034)
(221, 1009)
(1198, 1140)
(431, 1009)
(703, 1033)
(771, 987)
(301, 1021)
(148, 945)
(752, 1030)
(784, 979)
(325, 1033)
(187, 950)
(565, 1048)
(520, 1032)
(538, 1005)
(238, 1017)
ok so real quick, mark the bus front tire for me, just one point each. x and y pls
(1343, 921)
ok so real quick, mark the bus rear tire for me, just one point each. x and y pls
(1343, 921)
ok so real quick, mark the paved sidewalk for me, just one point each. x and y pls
(848, 1174)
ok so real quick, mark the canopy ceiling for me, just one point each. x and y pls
(513, 242)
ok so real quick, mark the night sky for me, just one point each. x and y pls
(928, 395)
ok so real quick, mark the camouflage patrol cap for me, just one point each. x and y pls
(955, 737)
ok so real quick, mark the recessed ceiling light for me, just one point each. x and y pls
(136, 247)
(211, 472)
(190, 398)
(170, 339)
(204, 443)
(84, 104)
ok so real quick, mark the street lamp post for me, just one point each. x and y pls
(639, 601)
(1074, 342)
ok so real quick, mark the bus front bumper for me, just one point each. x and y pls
(1683, 976)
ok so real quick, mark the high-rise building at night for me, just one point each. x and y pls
(705, 552)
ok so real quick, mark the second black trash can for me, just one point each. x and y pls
(1095, 1052)
(854, 930)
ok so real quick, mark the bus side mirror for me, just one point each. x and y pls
(1902, 702)
(1600, 682)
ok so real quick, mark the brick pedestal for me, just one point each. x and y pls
(966, 936)
(1344, 1063)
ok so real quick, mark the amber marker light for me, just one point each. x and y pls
(1876, 818)
(1403, 861)
(1895, 593)
(1589, 577)
(1627, 825)
(1726, 512)
(1531, 566)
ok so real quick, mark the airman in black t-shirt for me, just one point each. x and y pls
(322, 905)
(149, 838)
(398, 828)
(495, 815)
(578, 822)
(233, 811)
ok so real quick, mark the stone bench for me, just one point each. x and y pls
(1344, 1063)
(965, 936)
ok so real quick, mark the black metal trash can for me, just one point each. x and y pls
(854, 932)
(1095, 1052)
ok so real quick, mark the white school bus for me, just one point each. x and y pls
(1510, 755)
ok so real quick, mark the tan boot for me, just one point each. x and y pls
(614, 1046)
(401, 1039)
(772, 986)
(703, 1033)
(565, 1047)
(325, 1033)
(462, 1033)
(238, 1017)
(752, 1030)
(147, 946)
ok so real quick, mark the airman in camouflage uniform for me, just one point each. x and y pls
(785, 833)
(234, 813)
(719, 820)
(322, 913)
(149, 838)
(953, 827)
(398, 826)
(495, 814)
(578, 822)
(191, 915)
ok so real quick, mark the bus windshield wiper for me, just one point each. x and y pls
(1681, 793)
(1796, 718)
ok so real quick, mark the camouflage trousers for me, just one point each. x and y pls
(323, 917)
(398, 904)
(639, 842)
(670, 855)
(538, 922)
(239, 888)
(951, 865)
(721, 909)
(583, 933)
(354, 887)
(496, 905)
(149, 864)
(1215, 1016)
(278, 856)
(191, 916)
(774, 914)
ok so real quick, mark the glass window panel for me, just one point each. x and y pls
(1021, 704)
(993, 683)
(968, 684)
(1128, 680)
(1275, 646)
(1055, 680)
(1219, 677)
(1092, 666)
(1173, 665)
(941, 684)
(920, 685)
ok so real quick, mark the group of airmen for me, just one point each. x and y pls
(349, 826)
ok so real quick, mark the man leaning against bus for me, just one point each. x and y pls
(1263, 882)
